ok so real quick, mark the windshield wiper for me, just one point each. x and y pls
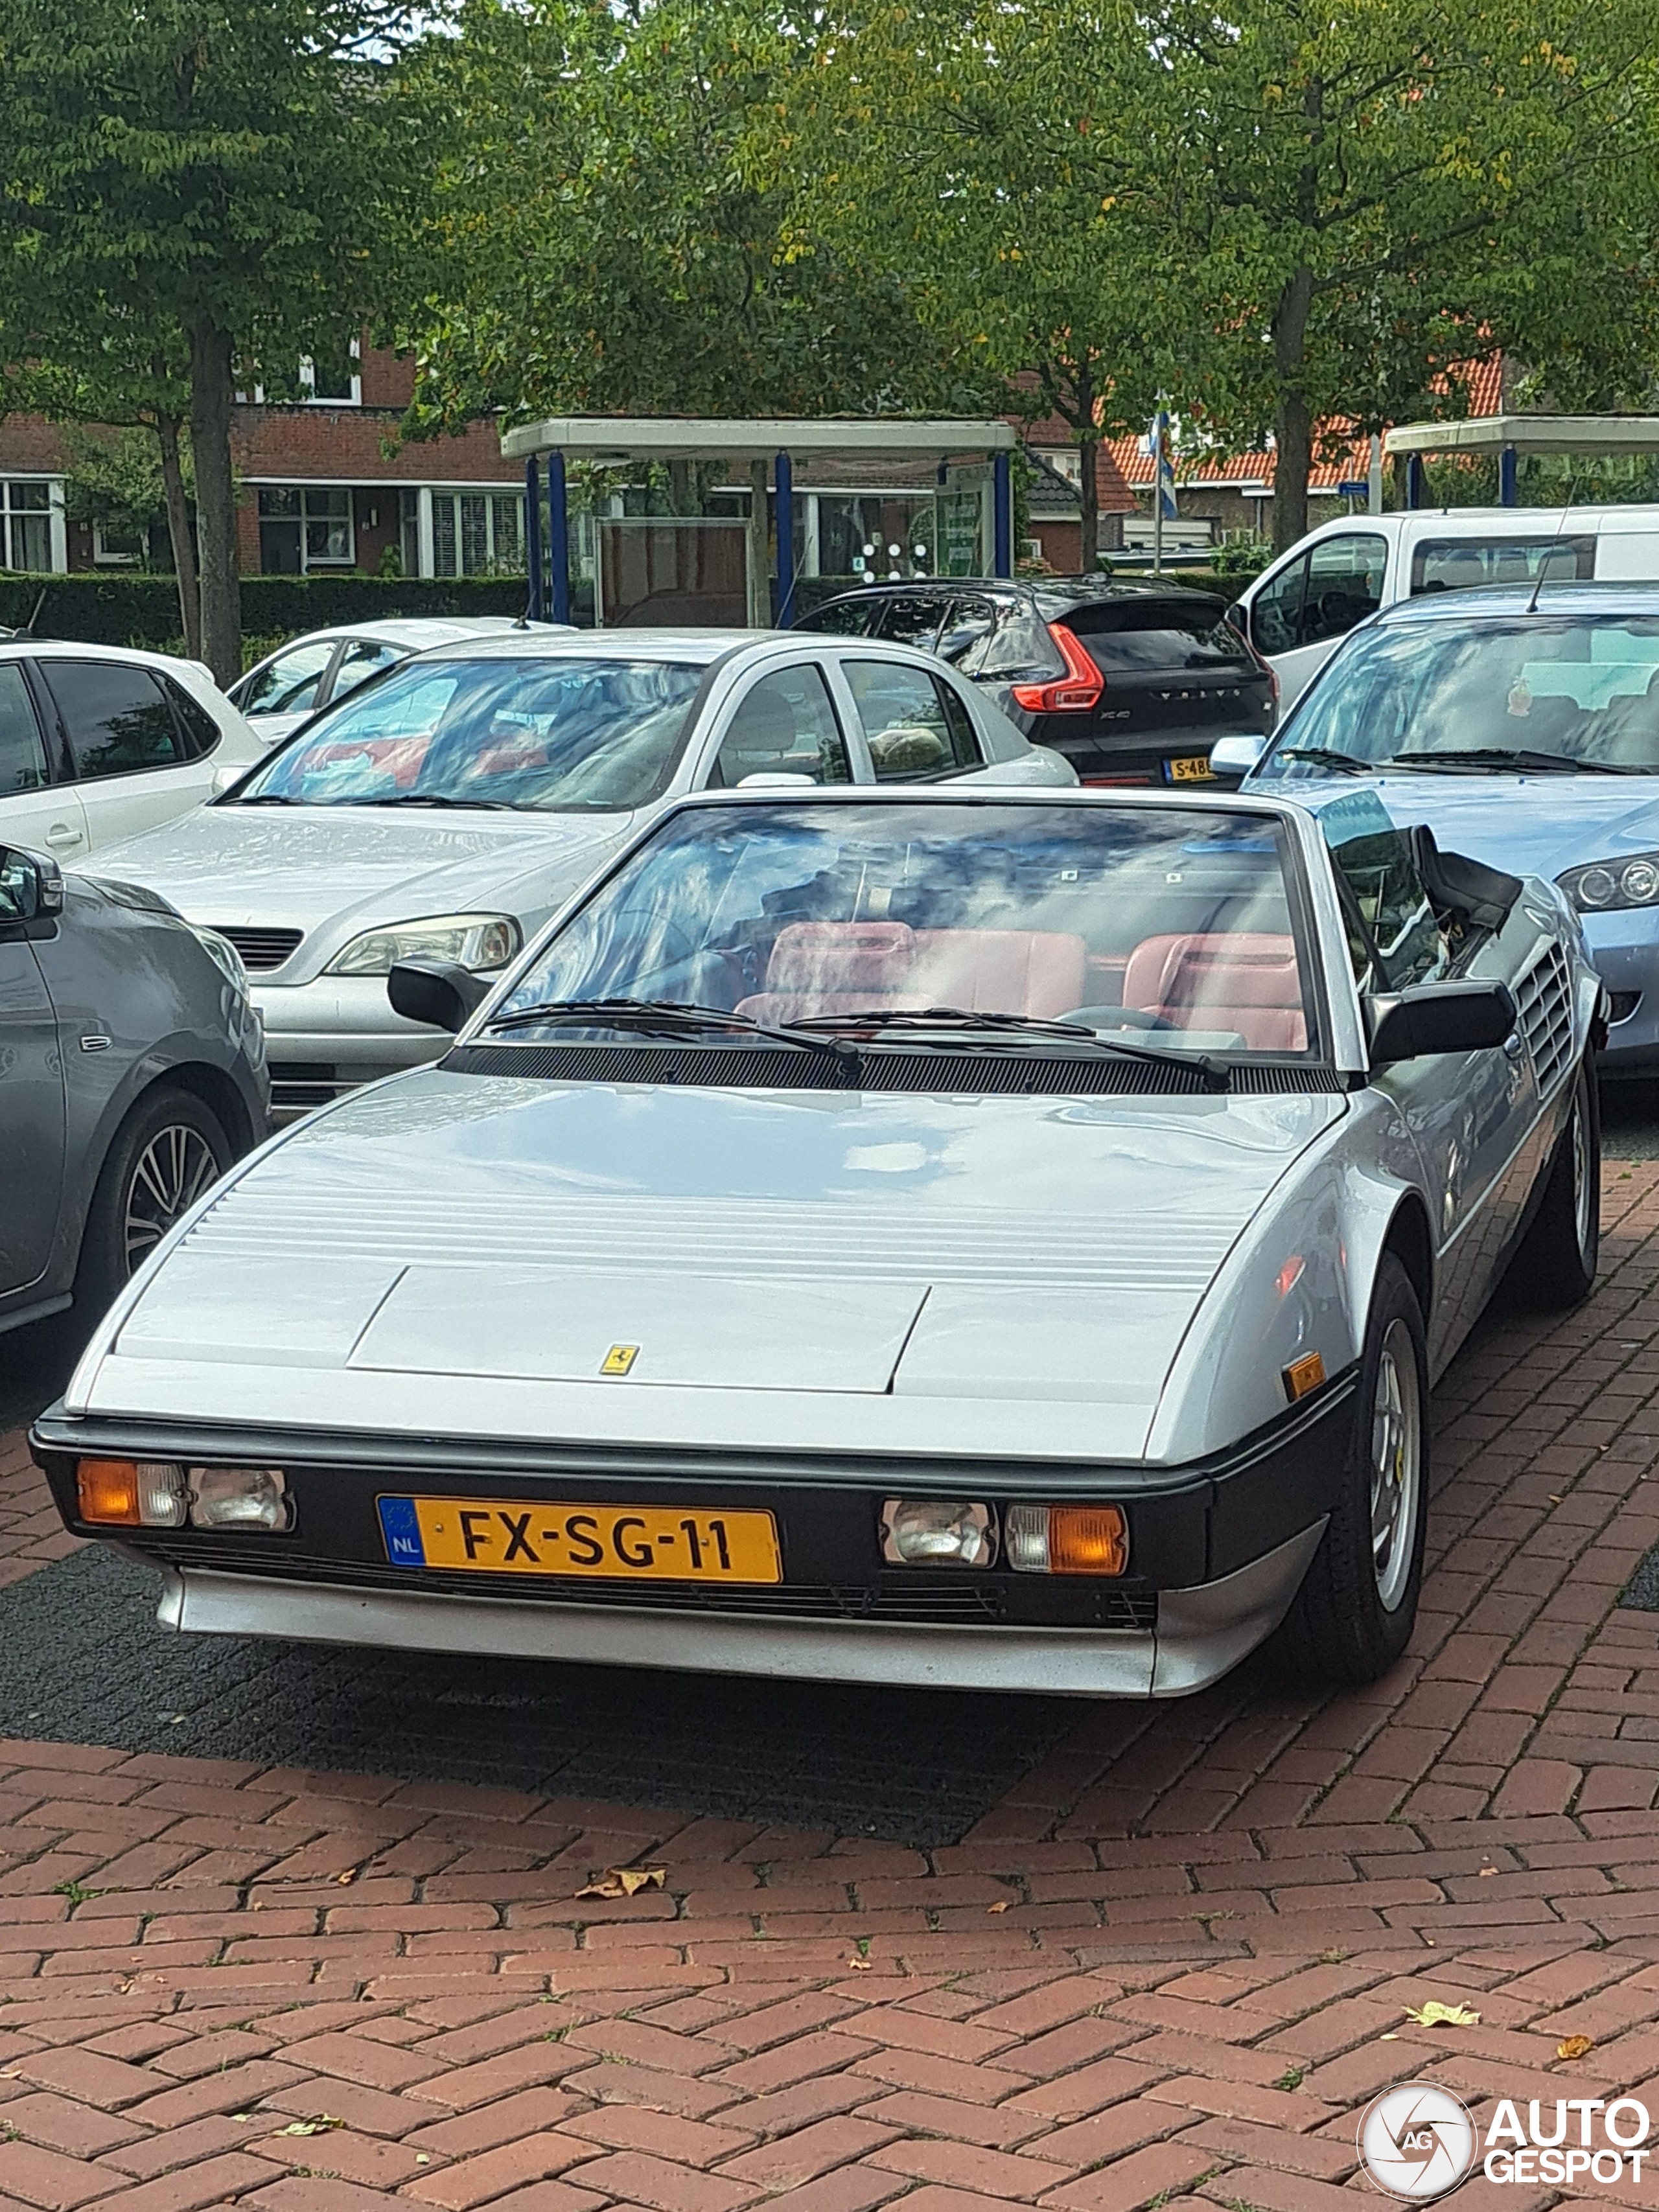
(1518, 756)
(1328, 757)
(266, 799)
(427, 798)
(957, 1019)
(667, 1017)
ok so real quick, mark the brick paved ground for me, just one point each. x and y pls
(1168, 1966)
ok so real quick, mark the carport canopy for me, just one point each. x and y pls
(1506, 435)
(614, 441)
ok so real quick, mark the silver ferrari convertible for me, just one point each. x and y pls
(959, 1235)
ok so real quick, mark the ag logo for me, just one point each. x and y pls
(1417, 2142)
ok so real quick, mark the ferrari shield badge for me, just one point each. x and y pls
(619, 1359)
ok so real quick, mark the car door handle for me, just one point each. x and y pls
(63, 834)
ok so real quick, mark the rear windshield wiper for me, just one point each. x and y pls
(667, 1017)
(1518, 756)
(957, 1019)
(1328, 757)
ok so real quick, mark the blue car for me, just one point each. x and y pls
(1522, 726)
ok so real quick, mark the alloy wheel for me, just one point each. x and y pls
(1578, 1138)
(168, 1177)
(1396, 1464)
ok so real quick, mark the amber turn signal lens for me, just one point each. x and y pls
(1087, 1540)
(108, 1491)
(1304, 1375)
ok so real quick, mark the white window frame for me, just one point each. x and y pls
(57, 526)
(103, 558)
(454, 493)
(308, 394)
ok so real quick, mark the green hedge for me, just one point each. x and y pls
(144, 610)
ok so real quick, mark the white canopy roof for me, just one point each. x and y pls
(618, 439)
(1529, 433)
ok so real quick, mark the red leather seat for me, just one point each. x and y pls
(1248, 982)
(847, 967)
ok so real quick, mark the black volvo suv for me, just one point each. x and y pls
(1133, 682)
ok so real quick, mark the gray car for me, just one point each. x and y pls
(132, 1074)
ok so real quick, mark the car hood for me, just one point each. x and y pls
(1529, 824)
(297, 867)
(453, 1253)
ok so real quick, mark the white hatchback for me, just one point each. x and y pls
(98, 742)
(313, 672)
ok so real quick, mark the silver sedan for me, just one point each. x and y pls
(450, 806)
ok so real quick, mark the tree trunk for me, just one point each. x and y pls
(1292, 421)
(210, 395)
(760, 550)
(1088, 505)
(184, 547)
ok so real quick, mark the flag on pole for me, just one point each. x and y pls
(1163, 476)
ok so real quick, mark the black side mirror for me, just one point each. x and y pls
(440, 993)
(1433, 1017)
(31, 890)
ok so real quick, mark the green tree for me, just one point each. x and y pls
(1359, 197)
(206, 169)
(615, 223)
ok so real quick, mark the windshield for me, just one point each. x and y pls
(1584, 692)
(551, 735)
(1167, 928)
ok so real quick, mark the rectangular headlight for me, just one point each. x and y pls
(1067, 1539)
(239, 1497)
(935, 1532)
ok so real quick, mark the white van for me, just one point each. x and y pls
(1298, 610)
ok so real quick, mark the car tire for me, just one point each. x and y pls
(1354, 1613)
(1555, 1266)
(170, 1149)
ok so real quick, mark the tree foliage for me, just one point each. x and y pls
(196, 180)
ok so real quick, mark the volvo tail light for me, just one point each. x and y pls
(1077, 692)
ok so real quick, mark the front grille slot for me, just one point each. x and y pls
(261, 949)
(297, 1085)
(942, 1599)
(775, 1067)
(1544, 1003)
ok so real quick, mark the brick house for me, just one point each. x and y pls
(320, 491)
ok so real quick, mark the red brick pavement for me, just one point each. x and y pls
(1169, 1966)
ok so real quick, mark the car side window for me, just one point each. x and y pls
(969, 628)
(1019, 646)
(1402, 941)
(117, 722)
(1463, 564)
(22, 754)
(914, 724)
(1345, 584)
(914, 618)
(363, 657)
(842, 618)
(1276, 609)
(290, 685)
(785, 725)
(201, 732)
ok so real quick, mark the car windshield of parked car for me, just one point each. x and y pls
(554, 735)
(1173, 930)
(1539, 692)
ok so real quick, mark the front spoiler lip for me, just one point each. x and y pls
(1202, 1633)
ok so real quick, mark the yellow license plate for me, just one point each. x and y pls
(509, 1536)
(1191, 768)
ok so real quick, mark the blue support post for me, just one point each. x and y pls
(785, 516)
(558, 538)
(1414, 485)
(1002, 518)
(532, 536)
(1506, 477)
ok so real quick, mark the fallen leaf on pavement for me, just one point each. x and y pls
(1574, 2046)
(319, 2126)
(1001, 1905)
(861, 1966)
(350, 1875)
(1389, 2038)
(1436, 2014)
(1485, 1871)
(625, 1881)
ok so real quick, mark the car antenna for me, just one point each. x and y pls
(1538, 580)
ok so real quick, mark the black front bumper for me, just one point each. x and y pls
(1188, 1526)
